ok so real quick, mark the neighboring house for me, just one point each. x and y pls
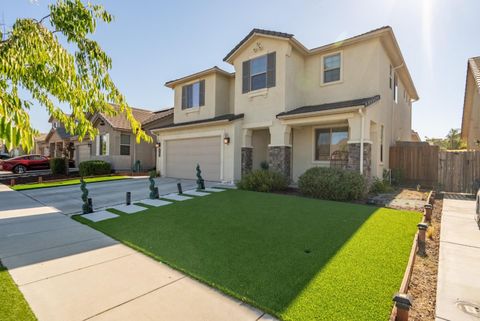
(56, 141)
(116, 143)
(341, 104)
(471, 106)
(415, 137)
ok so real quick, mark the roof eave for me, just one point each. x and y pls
(172, 83)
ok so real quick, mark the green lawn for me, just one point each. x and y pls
(13, 306)
(297, 258)
(67, 182)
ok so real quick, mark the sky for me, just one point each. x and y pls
(152, 42)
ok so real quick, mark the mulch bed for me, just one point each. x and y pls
(34, 179)
(423, 285)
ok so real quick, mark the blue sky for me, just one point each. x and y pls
(152, 42)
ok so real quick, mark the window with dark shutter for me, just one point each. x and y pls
(193, 95)
(246, 76)
(271, 65)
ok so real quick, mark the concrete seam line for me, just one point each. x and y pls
(133, 299)
(32, 233)
(460, 244)
(436, 316)
(54, 247)
(261, 316)
(75, 270)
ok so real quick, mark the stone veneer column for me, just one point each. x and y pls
(354, 158)
(279, 159)
(247, 160)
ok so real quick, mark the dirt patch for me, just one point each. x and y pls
(423, 284)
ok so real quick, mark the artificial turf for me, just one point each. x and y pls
(294, 257)
(75, 181)
(13, 306)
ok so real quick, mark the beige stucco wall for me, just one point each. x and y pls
(472, 113)
(230, 154)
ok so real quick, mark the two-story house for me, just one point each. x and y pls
(342, 104)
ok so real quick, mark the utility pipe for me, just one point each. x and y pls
(360, 111)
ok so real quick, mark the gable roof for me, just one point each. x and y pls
(474, 65)
(367, 101)
(259, 32)
(214, 69)
(385, 33)
(143, 116)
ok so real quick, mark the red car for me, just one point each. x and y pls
(21, 164)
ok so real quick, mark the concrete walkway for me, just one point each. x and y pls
(458, 287)
(68, 271)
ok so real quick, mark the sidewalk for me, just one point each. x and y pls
(458, 287)
(68, 271)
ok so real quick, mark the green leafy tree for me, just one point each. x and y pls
(453, 140)
(33, 61)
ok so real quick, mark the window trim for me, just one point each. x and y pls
(186, 86)
(129, 144)
(395, 87)
(314, 144)
(322, 69)
(382, 144)
(265, 72)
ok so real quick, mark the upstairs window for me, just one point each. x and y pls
(395, 88)
(391, 77)
(259, 73)
(193, 95)
(332, 68)
(382, 133)
(124, 144)
(102, 144)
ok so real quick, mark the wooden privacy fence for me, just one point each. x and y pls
(415, 163)
(449, 171)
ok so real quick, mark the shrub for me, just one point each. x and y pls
(57, 165)
(264, 165)
(379, 186)
(332, 184)
(263, 181)
(94, 167)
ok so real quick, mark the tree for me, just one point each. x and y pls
(33, 61)
(453, 140)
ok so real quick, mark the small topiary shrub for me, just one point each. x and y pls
(379, 186)
(263, 181)
(57, 165)
(332, 184)
(94, 167)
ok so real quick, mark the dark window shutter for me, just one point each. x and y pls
(271, 74)
(202, 92)
(246, 77)
(184, 97)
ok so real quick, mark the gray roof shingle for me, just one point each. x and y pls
(328, 106)
(227, 117)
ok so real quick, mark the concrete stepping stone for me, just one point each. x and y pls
(195, 193)
(154, 202)
(210, 189)
(175, 197)
(99, 216)
(129, 209)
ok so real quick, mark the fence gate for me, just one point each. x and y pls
(459, 171)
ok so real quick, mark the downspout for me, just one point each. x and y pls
(393, 101)
(360, 111)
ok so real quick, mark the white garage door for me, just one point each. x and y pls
(183, 155)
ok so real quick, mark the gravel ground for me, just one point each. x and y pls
(423, 285)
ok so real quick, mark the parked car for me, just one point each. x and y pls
(4, 156)
(21, 164)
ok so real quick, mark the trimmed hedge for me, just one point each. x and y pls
(379, 186)
(263, 181)
(94, 167)
(332, 184)
(57, 165)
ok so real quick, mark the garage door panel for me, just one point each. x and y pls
(183, 155)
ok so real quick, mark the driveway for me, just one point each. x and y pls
(68, 198)
(68, 271)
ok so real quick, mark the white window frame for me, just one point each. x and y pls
(129, 144)
(314, 144)
(322, 69)
(381, 148)
(395, 87)
(107, 147)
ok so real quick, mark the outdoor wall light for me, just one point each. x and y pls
(157, 145)
(226, 140)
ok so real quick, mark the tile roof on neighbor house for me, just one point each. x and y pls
(41, 137)
(158, 115)
(329, 106)
(143, 116)
(225, 117)
(474, 64)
